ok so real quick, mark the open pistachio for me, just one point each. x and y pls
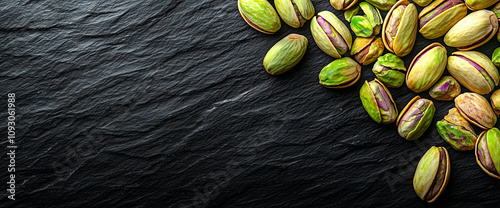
(368, 24)
(330, 34)
(295, 12)
(426, 68)
(415, 118)
(476, 109)
(378, 102)
(455, 130)
(473, 70)
(285, 54)
(432, 174)
(495, 58)
(422, 3)
(260, 15)
(399, 30)
(437, 18)
(487, 152)
(479, 4)
(383, 5)
(447, 88)
(495, 102)
(342, 4)
(367, 50)
(390, 70)
(340, 73)
(472, 31)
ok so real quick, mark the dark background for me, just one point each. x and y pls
(167, 104)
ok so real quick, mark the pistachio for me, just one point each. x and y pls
(455, 130)
(432, 174)
(479, 4)
(342, 4)
(472, 31)
(437, 18)
(367, 50)
(496, 10)
(330, 34)
(473, 70)
(260, 15)
(476, 109)
(390, 70)
(378, 102)
(340, 73)
(399, 30)
(445, 89)
(285, 54)
(495, 102)
(295, 12)
(415, 118)
(487, 152)
(348, 14)
(426, 68)
(383, 5)
(495, 58)
(368, 24)
(422, 3)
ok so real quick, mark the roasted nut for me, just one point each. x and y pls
(479, 4)
(422, 3)
(437, 18)
(415, 118)
(285, 54)
(473, 70)
(455, 130)
(472, 31)
(367, 50)
(260, 15)
(330, 34)
(426, 68)
(487, 152)
(390, 70)
(476, 109)
(445, 89)
(400, 28)
(340, 73)
(295, 12)
(378, 102)
(495, 58)
(368, 24)
(383, 5)
(432, 174)
(342, 4)
(495, 102)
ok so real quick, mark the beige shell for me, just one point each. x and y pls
(477, 157)
(407, 30)
(476, 109)
(440, 24)
(473, 30)
(322, 40)
(339, 4)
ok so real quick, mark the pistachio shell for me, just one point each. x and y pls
(350, 13)
(415, 118)
(495, 58)
(487, 152)
(422, 3)
(399, 30)
(390, 70)
(260, 15)
(367, 50)
(479, 4)
(368, 24)
(447, 88)
(340, 34)
(383, 5)
(472, 31)
(378, 102)
(495, 102)
(432, 174)
(437, 18)
(285, 54)
(426, 68)
(342, 4)
(473, 70)
(340, 73)
(295, 12)
(476, 109)
(455, 130)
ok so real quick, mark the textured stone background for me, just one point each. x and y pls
(166, 104)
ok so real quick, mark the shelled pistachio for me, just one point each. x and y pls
(330, 34)
(472, 31)
(476, 109)
(487, 152)
(340, 73)
(285, 54)
(378, 102)
(447, 88)
(399, 30)
(437, 18)
(368, 24)
(495, 58)
(295, 12)
(473, 70)
(415, 118)
(432, 174)
(390, 70)
(383, 5)
(260, 15)
(455, 130)
(426, 68)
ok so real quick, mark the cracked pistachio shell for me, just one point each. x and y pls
(340, 73)
(260, 15)
(447, 88)
(399, 30)
(285, 54)
(455, 130)
(426, 68)
(437, 18)
(487, 152)
(495, 102)
(295, 12)
(368, 24)
(476, 109)
(472, 31)
(479, 4)
(342, 4)
(495, 58)
(432, 174)
(378, 102)
(422, 3)
(415, 118)
(338, 42)
(473, 70)
(367, 50)
(383, 5)
(390, 70)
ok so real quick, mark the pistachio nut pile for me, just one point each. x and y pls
(463, 25)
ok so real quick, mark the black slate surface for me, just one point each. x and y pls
(167, 104)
